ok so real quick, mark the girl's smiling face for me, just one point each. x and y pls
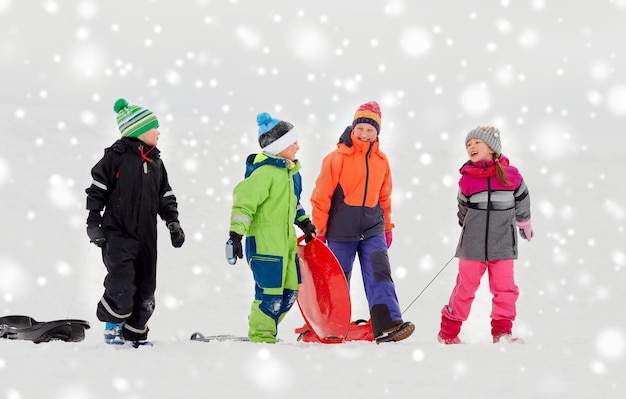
(478, 151)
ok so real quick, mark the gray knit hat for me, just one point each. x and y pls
(489, 135)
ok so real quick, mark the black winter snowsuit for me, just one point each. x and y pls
(130, 183)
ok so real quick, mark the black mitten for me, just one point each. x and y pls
(95, 231)
(96, 235)
(233, 248)
(177, 235)
(309, 230)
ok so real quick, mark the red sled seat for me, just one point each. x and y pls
(324, 299)
(359, 330)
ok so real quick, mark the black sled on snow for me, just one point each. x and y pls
(27, 328)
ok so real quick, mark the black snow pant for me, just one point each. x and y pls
(130, 283)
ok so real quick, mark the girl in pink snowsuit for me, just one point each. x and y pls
(492, 201)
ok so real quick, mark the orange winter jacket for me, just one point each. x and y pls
(352, 196)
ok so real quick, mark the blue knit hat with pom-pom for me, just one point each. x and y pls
(275, 135)
(133, 120)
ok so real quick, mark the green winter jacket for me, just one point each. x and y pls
(266, 205)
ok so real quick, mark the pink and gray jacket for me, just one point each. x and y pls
(488, 211)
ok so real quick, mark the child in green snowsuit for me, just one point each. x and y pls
(266, 205)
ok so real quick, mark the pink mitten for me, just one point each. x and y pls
(525, 230)
(388, 238)
(322, 238)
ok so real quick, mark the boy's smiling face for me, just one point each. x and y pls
(151, 137)
(289, 152)
(365, 132)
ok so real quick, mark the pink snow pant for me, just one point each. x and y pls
(501, 284)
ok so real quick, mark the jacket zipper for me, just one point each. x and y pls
(488, 213)
(367, 179)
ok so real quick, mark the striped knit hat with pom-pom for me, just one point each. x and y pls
(275, 135)
(368, 113)
(133, 120)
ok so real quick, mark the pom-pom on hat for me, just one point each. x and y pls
(488, 135)
(132, 120)
(368, 113)
(275, 135)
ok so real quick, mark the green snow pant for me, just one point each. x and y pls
(276, 290)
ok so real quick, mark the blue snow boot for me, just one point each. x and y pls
(113, 333)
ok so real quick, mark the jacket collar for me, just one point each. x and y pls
(504, 161)
(255, 161)
(346, 141)
(134, 144)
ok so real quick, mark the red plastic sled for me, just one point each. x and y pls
(324, 298)
(359, 330)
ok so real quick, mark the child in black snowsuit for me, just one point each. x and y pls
(130, 184)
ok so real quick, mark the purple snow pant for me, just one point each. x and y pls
(380, 290)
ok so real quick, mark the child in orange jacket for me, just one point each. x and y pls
(352, 210)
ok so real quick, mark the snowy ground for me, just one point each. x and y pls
(549, 74)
